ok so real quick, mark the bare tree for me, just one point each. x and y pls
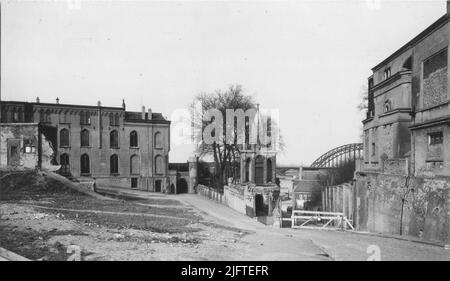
(226, 153)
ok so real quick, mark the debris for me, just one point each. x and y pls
(40, 216)
(119, 236)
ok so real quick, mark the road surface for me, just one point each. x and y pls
(268, 243)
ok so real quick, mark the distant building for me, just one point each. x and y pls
(116, 147)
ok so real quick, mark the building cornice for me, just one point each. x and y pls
(430, 29)
(435, 122)
(390, 80)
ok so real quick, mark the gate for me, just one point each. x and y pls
(320, 219)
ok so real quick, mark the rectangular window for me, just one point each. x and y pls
(434, 165)
(85, 118)
(435, 138)
(373, 149)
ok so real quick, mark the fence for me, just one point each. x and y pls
(339, 199)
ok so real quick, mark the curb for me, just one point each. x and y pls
(437, 244)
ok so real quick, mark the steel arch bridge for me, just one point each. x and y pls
(339, 155)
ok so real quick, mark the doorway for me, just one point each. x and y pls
(261, 209)
(13, 152)
(158, 186)
(182, 186)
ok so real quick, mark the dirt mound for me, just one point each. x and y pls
(32, 185)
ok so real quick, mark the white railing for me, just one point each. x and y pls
(325, 218)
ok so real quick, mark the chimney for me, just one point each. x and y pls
(37, 100)
(143, 112)
(99, 103)
(149, 113)
(57, 100)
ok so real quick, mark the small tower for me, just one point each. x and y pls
(257, 162)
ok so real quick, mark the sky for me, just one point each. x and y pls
(308, 59)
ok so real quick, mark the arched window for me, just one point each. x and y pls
(248, 162)
(65, 164)
(387, 106)
(259, 169)
(114, 139)
(247, 132)
(85, 165)
(84, 138)
(64, 138)
(114, 164)
(269, 170)
(133, 139)
(158, 140)
(159, 164)
(134, 164)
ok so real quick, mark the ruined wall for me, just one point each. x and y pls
(380, 199)
(14, 154)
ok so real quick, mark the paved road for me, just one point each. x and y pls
(267, 243)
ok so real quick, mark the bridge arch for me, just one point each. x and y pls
(337, 156)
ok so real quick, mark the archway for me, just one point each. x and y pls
(182, 186)
(261, 209)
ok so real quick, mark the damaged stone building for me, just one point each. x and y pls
(109, 144)
(402, 185)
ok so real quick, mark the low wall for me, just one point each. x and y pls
(210, 193)
(241, 199)
(415, 206)
(234, 198)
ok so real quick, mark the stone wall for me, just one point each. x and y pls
(396, 204)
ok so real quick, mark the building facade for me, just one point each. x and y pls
(408, 113)
(402, 186)
(109, 144)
